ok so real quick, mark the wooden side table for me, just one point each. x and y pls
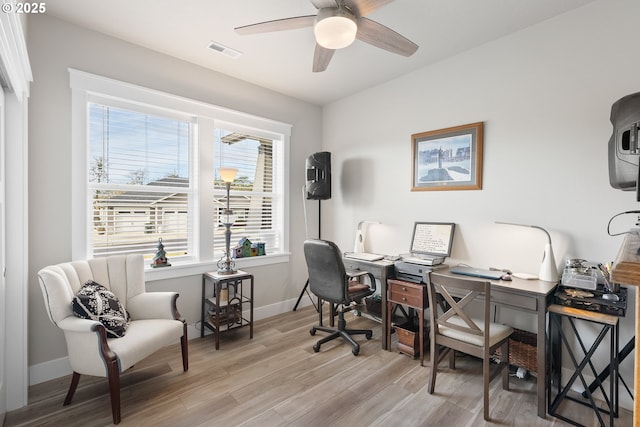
(412, 295)
(626, 271)
(223, 310)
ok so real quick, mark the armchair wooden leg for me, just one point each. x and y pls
(72, 388)
(114, 390)
(185, 350)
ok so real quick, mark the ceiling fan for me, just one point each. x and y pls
(336, 25)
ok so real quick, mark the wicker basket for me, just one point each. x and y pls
(523, 350)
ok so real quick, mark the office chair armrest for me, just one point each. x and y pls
(359, 273)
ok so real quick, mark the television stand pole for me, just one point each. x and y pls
(306, 285)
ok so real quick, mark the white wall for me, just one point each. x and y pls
(54, 46)
(544, 95)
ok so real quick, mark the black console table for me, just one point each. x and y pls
(223, 310)
(559, 339)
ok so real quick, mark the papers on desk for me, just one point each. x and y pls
(364, 256)
(525, 276)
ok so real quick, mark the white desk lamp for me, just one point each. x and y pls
(548, 268)
(361, 234)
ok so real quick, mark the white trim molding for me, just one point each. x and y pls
(87, 87)
(16, 77)
(15, 70)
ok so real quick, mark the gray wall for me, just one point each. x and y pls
(544, 95)
(54, 46)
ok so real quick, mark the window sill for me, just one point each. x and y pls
(193, 268)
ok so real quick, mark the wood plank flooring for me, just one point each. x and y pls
(276, 379)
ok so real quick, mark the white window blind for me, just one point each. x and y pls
(144, 162)
(139, 182)
(256, 192)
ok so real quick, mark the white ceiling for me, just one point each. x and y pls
(282, 60)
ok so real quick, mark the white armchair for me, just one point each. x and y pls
(155, 320)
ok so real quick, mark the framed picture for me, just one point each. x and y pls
(447, 159)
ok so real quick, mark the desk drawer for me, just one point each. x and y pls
(515, 300)
(406, 293)
(351, 265)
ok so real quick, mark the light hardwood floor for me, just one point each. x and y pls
(276, 379)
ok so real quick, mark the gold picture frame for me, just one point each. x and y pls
(447, 159)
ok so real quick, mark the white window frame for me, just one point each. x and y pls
(278, 181)
(87, 87)
(193, 153)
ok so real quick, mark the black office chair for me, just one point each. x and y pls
(330, 282)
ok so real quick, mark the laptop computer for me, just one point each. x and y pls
(430, 242)
(477, 272)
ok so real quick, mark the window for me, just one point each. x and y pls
(254, 194)
(145, 168)
(138, 182)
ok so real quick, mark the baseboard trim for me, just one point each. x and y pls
(57, 368)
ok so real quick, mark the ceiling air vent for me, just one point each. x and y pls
(218, 47)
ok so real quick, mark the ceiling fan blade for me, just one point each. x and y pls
(385, 38)
(277, 25)
(321, 58)
(321, 4)
(365, 7)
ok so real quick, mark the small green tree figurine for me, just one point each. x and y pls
(160, 260)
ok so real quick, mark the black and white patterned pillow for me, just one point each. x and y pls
(94, 301)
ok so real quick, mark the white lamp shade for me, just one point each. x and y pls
(361, 236)
(548, 268)
(358, 246)
(228, 174)
(335, 28)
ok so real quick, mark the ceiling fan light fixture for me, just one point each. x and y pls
(335, 28)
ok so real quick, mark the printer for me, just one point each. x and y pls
(430, 245)
(412, 271)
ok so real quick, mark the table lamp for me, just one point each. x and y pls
(361, 234)
(225, 264)
(548, 269)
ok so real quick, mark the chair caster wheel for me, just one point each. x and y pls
(312, 331)
(355, 351)
(368, 335)
(316, 348)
